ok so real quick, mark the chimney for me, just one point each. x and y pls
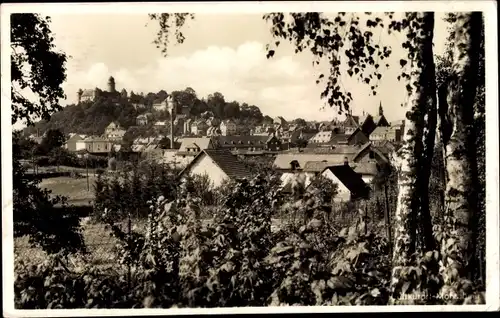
(346, 161)
(172, 115)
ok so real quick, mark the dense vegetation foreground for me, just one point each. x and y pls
(237, 259)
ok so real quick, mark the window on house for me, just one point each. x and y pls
(372, 155)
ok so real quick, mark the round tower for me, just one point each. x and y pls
(111, 85)
(79, 95)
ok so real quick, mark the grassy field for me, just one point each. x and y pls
(74, 189)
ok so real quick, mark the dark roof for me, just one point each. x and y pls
(351, 121)
(241, 141)
(350, 179)
(339, 139)
(225, 160)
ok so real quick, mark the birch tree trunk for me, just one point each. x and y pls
(460, 146)
(410, 176)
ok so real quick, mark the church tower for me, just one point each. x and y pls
(111, 85)
(380, 110)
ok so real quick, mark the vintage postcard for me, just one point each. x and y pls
(249, 157)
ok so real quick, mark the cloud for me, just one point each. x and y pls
(243, 74)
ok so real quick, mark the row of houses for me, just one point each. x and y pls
(352, 169)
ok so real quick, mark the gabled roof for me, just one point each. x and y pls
(350, 179)
(351, 121)
(226, 161)
(202, 143)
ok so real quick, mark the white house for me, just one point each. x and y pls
(114, 131)
(228, 128)
(218, 164)
(350, 184)
(72, 144)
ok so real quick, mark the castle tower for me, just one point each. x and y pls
(111, 85)
(79, 95)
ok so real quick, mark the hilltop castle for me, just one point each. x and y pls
(93, 94)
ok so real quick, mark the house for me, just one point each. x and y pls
(247, 143)
(290, 136)
(160, 105)
(199, 128)
(139, 105)
(280, 121)
(213, 131)
(337, 138)
(156, 148)
(321, 137)
(363, 159)
(72, 143)
(228, 128)
(218, 164)
(98, 145)
(190, 147)
(350, 185)
(392, 134)
(114, 131)
(370, 122)
(350, 124)
(143, 120)
(187, 126)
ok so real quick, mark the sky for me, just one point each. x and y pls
(222, 53)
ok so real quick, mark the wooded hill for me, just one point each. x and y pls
(92, 117)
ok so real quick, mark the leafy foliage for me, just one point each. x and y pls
(35, 66)
(55, 229)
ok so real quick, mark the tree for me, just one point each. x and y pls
(34, 213)
(32, 44)
(300, 122)
(216, 104)
(459, 137)
(53, 138)
(232, 110)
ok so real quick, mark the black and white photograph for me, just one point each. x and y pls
(248, 157)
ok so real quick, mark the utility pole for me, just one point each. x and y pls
(87, 168)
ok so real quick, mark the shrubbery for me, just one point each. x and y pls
(234, 260)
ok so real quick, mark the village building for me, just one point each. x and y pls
(199, 128)
(218, 164)
(392, 134)
(364, 160)
(247, 143)
(213, 132)
(228, 127)
(350, 124)
(290, 137)
(370, 123)
(98, 145)
(114, 131)
(143, 119)
(350, 186)
(190, 147)
(280, 121)
(72, 142)
(160, 105)
(187, 126)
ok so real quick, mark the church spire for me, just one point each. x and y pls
(380, 109)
